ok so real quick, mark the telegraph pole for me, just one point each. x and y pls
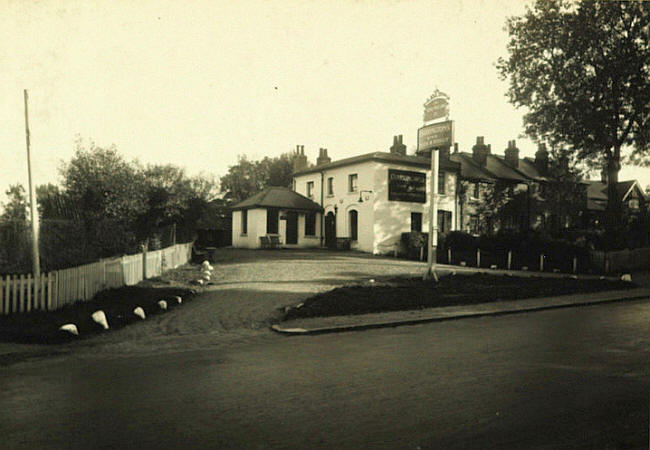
(32, 201)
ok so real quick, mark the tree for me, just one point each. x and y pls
(15, 238)
(15, 210)
(583, 73)
(249, 177)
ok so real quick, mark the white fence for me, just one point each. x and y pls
(22, 293)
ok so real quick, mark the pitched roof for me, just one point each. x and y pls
(495, 168)
(469, 169)
(396, 158)
(278, 197)
(597, 193)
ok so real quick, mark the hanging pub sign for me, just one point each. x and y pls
(436, 107)
(405, 186)
(437, 135)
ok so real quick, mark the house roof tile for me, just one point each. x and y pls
(278, 197)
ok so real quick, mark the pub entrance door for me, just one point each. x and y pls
(330, 230)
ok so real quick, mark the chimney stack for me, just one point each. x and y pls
(480, 151)
(398, 146)
(455, 147)
(541, 159)
(512, 154)
(322, 157)
(300, 160)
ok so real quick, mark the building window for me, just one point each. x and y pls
(474, 225)
(441, 183)
(475, 190)
(244, 221)
(330, 186)
(633, 203)
(310, 224)
(272, 220)
(310, 189)
(353, 225)
(352, 182)
(444, 221)
(416, 221)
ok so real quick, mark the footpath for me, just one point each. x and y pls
(337, 324)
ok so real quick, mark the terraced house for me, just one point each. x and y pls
(505, 192)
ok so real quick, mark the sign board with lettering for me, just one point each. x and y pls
(436, 135)
(436, 108)
(406, 186)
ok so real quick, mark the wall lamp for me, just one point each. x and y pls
(361, 195)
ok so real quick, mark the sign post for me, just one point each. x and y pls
(431, 138)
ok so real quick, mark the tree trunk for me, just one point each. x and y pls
(614, 210)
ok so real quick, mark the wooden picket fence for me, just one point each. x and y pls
(53, 290)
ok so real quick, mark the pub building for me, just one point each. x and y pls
(366, 201)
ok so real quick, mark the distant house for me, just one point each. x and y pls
(632, 197)
(276, 216)
(369, 200)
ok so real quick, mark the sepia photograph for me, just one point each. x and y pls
(335, 224)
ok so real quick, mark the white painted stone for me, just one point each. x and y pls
(463, 263)
(453, 271)
(300, 305)
(626, 277)
(493, 266)
(524, 268)
(574, 277)
(556, 270)
(372, 280)
(205, 263)
(178, 299)
(138, 311)
(199, 282)
(601, 277)
(70, 328)
(162, 304)
(100, 318)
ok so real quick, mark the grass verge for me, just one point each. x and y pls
(401, 294)
(42, 327)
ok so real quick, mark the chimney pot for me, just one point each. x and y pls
(480, 151)
(398, 147)
(512, 154)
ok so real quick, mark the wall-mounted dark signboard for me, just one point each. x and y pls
(405, 186)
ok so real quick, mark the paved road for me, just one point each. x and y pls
(571, 378)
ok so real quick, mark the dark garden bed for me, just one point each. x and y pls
(42, 327)
(399, 294)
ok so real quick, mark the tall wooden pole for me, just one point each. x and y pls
(433, 218)
(36, 263)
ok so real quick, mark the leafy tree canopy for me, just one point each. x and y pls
(249, 177)
(582, 71)
(15, 209)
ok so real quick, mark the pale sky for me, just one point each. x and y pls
(196, 83)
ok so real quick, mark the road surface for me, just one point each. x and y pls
(568, 378)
